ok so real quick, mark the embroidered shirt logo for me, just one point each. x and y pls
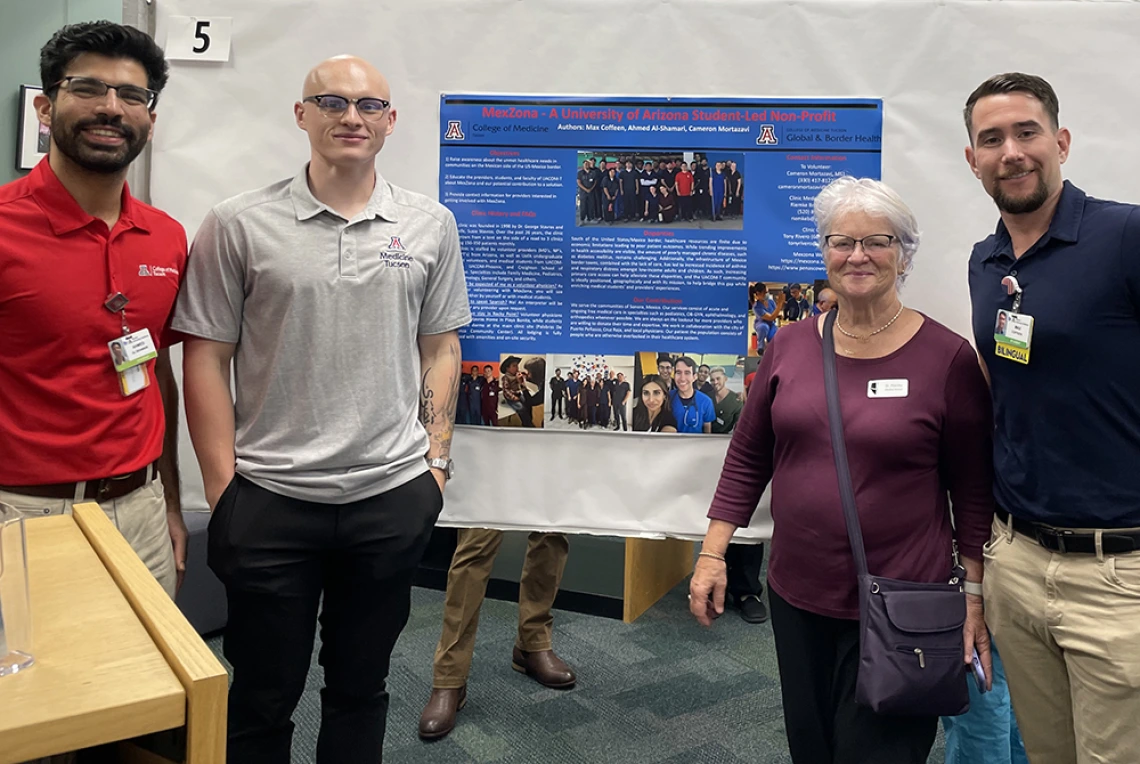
(157, 270)
(395, 244)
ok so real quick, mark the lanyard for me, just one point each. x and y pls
(116, 301)
(1013, 288)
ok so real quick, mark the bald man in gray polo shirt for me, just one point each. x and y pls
(325, 473)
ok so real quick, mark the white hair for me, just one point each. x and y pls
(845, 195)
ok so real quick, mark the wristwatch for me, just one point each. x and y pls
(972, 587)
(446, 465)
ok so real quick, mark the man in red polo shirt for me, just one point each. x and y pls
(84, 267)
(685, 191)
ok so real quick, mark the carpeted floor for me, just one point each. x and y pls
(660, 690)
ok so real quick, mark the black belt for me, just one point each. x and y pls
(104, 489)
(1075, 542)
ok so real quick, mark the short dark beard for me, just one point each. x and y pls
(1023, 205)
(68, 138)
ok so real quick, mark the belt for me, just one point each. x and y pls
(104, 489)
(1073, 542)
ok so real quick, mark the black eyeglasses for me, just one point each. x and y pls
(89, 87)
(335, 106)
(873, 244)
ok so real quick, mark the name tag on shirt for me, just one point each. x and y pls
(1013, 336)
(888, 388)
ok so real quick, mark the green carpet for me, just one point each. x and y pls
(662, 689)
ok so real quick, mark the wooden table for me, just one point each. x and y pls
(114, 657)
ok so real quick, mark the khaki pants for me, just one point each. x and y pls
(1069, 630)
(140, 516)
(467, 585)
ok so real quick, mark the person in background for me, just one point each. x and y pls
(692, 409)
(602, 417)
(489, 395)
(665, 370)
(630, 182)
(611, 189)
(619, 399)
(652, 209)
(653, 412)
(597, 172)
(703, 383)
(717, 190)
(796, 308)
(827, 301)
(557, 395)
(462, 408)
(667, 205)
(684, 182)
(908, 463)
(573, 386)
(585, 206)
(766, 310)
(701, 197)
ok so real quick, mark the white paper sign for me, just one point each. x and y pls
(195, 38)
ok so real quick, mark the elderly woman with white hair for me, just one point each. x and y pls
(917, 424)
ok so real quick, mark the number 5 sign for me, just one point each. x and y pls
(193, 38)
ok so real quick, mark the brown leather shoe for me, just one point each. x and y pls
(438, 717)
(544, 667)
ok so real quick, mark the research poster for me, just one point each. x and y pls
(628, 259)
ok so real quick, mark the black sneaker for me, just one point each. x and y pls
(752, 609)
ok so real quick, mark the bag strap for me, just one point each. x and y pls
(839, 445)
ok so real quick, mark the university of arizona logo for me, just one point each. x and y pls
(144, 271)
(767, 136)
(395, 243)
(454, 130)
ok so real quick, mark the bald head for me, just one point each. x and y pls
(344, 70)
(350, 129)
(826, 299)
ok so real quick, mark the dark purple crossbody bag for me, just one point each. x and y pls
(910, 634)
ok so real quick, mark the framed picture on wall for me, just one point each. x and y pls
(34, 138)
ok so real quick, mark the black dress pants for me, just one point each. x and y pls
(818, 658)
(743, 563)
(277, 557)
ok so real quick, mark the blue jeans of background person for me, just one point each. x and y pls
(987, 734)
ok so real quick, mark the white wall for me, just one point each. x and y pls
(226, 128)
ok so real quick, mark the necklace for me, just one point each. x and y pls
(864, 337)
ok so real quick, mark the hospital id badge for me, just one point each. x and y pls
(133, 379)
(1013, 335)
(132, 350)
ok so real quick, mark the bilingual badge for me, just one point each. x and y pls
(1013, 335)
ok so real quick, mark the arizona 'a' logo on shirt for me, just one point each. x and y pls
(395, 243)
(144, 271)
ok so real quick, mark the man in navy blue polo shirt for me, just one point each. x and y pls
(1062, 577)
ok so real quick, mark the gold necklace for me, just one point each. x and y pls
(865, 337)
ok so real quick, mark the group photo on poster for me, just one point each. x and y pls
(697, 190)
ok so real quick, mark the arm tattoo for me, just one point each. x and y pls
(439, 395)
